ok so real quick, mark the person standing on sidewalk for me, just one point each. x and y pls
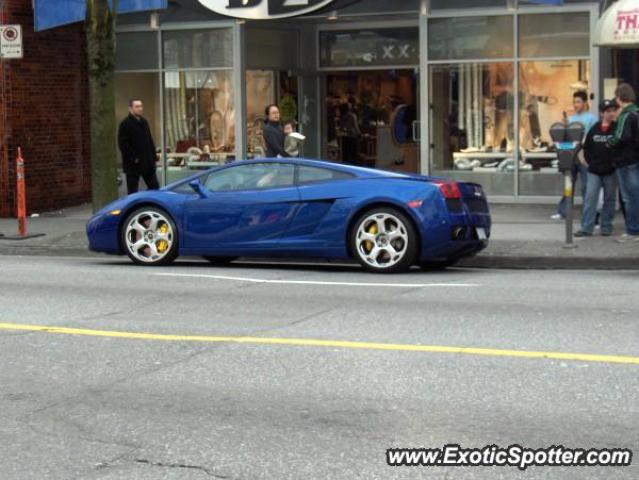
(625, 142)
(584, 116)
(273, 135)
(138, 149)
(601, 173)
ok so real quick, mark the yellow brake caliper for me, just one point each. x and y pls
(373, 231)
(163, 244)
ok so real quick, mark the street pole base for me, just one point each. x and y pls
(21, 237)
(569, 245)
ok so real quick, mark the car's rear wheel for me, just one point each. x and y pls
(384, 240)
(149, 237)
(221, 261)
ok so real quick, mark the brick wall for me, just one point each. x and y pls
(44, 108)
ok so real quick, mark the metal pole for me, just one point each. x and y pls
(568, 188)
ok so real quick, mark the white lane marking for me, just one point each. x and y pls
(317, 282)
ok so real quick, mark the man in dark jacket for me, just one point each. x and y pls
(138, 149)
(273, 135)
(625, 142)
(601, 173)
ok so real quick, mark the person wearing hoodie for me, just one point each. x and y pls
(625, 142)
(601, 173)
(273, 135)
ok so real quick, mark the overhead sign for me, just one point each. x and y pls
(54, 13)
(264, 9)
(10, 41)
(619, 25)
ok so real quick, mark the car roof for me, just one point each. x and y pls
(359, 172)
(363, 172)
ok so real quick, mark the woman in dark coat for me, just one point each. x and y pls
(273, 135)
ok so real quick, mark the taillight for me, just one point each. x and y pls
(450, 190)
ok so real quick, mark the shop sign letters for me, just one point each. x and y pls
(10, 41)
(627, 25)
(264, 9)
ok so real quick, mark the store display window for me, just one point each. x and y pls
(199, 120)
(463, 4)
(211, 48)
(143, 86)
(463, 38)
(473, 138)
(546, 96)
(369, 48)
(371, 119)
(554, 35)
(140, 51)
(267, 87)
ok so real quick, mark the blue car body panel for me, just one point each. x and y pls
(309, 220)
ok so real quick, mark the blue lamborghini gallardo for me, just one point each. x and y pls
(298, 208)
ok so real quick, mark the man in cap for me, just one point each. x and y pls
(601, 172)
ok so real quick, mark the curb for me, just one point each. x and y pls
(491, 261)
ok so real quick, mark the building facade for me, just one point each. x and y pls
(456, 88)
(44, 108)
(463, 89)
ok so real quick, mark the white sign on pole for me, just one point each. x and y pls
(10, 41)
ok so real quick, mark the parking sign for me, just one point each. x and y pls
(10, 41)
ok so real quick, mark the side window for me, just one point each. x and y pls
(251, 177)
(314, 174)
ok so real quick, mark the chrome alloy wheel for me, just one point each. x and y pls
(382, 240)
(149, 236)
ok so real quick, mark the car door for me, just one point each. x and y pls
(317, 220)
(242, 207)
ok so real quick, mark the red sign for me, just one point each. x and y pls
(627, 24)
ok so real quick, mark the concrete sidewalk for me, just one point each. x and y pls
(523, 236)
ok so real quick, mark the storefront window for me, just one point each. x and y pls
(546, 94)
(472, 124)
(140, 86)
(199, 120)
(371, 119)
(454, 4)
(267, 87)
(554, 35)
(463, 38)
(260, 92)
(369, 48)
(211, 48)
(137, 51)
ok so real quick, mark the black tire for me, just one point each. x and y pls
(410, 244)
(221, 261)
(167, 256)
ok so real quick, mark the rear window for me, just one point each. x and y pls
(314, 174)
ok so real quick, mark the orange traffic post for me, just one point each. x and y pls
(21, 195)
(21, 203)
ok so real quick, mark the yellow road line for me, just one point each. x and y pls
(307, 342)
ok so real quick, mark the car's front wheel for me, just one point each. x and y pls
(384, 240)
(149, 237)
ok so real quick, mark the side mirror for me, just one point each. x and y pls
(198, 188)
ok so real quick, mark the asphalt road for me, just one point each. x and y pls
(93, 405)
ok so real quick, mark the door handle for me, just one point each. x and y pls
(416, 127)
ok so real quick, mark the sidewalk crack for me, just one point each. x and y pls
(206, 470)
